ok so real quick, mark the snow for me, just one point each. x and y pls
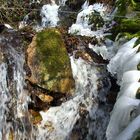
(49, 14)
(121, 116)
(82, 27)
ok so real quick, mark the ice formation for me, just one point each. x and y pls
(49, 14)
(82, 26)
(124, 66)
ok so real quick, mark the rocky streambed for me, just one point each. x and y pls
(55, 82)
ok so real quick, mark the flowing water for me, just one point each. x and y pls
(14, 98)
(86, 114)
(87, 111)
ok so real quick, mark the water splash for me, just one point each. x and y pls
(49, 14)
(63, 118)
(14, 104)
(82, 25)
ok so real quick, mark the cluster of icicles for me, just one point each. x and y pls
(125, 117)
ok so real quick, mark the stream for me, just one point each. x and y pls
(90, 113)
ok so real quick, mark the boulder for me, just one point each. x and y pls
(49, 62)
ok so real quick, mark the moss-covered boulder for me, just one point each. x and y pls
(49, 62)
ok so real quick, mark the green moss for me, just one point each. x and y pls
(51, 52)
(121, 5)
(130, 36)
(130, 25)
(124, 6)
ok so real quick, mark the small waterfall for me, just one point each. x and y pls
(83, 25)
(62, 119)
(85, 115)
(49, 14)
(14, 98)
(59, 123)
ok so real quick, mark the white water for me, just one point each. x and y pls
(49, 14)
(124, 66)
(62, 119)
(59, 121)
(4, 96)
(14, 98)
(82, 26)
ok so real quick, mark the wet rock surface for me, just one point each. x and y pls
(49, 62)
(12, 46)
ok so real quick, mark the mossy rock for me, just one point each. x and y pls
(49, 62)
(128, 27)
(125, 6)
(127, 17)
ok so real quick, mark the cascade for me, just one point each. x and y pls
(49, 14)
(14, 98)
(86, 114)
(61, 120)
(83, 25)
(82, 111)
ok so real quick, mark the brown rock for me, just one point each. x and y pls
(35, 117)
(49, 62)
